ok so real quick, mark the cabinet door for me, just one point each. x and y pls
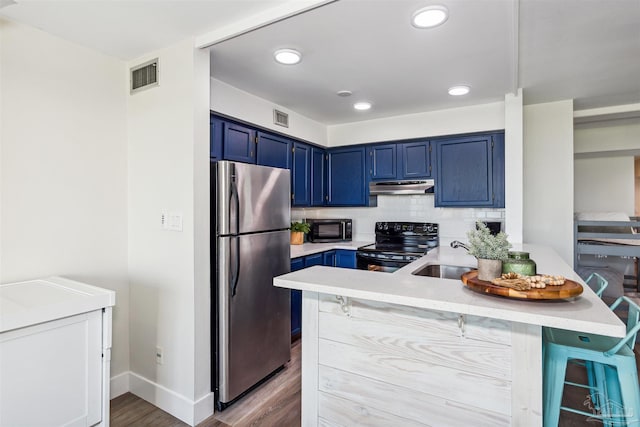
(51, 373)
(273, 151)
(318, 175)
(347, 183)
(216, 135)
(301, 174)
(345, 258)
(239, 143)
(414, 160)
(382, 161)
(315, 259)
(296, 301)
(464, 172)
(329, 258)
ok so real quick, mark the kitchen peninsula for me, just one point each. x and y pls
(402, 349)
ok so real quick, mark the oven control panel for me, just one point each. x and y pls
(407, 228)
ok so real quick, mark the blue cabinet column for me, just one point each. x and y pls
(216, 135)
(414, 160)
(346, 183)
(273, 151)
(301, 174)
(318, 176)
(470, 171)
(382, 162)
(239, 143)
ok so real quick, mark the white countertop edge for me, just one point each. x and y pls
(586, 313)
(453, 307)
(83, 299)
(305, 249)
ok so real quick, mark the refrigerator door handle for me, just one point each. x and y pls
(235, 262)
(236, 198)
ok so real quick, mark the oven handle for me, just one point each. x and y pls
(344, 230)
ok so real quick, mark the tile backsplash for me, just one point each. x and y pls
(454, 222)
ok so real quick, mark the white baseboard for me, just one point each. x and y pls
(119, 385)
(169, 401)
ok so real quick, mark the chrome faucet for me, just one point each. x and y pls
(458, 244)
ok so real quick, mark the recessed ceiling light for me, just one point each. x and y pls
(287, 56)
(344, 93)
(362, 105)
(459, 90)
(430, 16)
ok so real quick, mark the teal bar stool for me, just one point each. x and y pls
(601, 283)
(615, 375)
(599, 286)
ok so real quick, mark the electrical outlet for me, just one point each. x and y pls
(159, 356)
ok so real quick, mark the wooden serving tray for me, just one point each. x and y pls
(568, 290)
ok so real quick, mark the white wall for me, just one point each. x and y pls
(513, 154)
(454, 222)
(548, 176)
(169, 270)
(607, 136)
(433, 123)
(242, 105)
(63, 168)
(604, 185)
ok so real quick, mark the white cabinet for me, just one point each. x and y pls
(55, 371)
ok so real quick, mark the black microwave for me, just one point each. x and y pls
(329, 230)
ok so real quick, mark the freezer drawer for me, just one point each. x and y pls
(253, 315)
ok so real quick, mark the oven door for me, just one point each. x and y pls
(376, 262)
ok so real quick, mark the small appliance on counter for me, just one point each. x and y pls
(397, 244)
(330, 230)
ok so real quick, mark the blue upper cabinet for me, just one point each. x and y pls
(301, 175)
(273, 151)
(216, 135)
(382, 162)
(239, 143)
(470, 171)
(414, 160)
(346, 177)
(318, 175)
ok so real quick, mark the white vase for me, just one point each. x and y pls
(489, 269)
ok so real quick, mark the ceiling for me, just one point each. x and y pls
(587, 50)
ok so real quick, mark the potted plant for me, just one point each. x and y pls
(298, 230)
(489, 249)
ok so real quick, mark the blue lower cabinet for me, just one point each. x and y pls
(329, 258)
(315, 259)
(345, 258)
(296, 301)
(338, 258)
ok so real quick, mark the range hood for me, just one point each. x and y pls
(401, 187)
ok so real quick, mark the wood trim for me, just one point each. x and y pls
(310, 350)
(526, 398)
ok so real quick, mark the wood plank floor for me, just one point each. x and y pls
(274, 403)
(277, 403)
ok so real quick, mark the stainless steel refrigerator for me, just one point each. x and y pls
(251, 324)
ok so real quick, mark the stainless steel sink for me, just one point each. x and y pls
(442, 271)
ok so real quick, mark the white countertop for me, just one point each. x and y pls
(35, 301)
(585, 313)
(314, 248)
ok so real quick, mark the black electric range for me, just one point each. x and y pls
(397, 244)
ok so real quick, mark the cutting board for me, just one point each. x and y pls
(568, 290)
